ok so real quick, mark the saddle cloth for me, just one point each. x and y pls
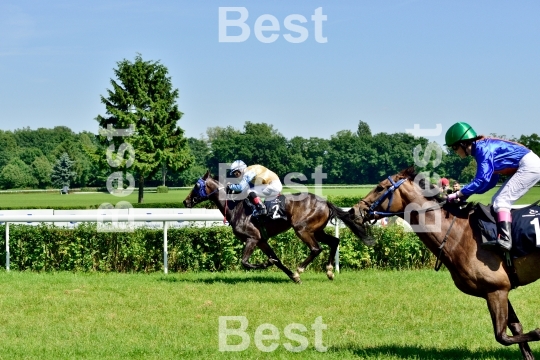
(525, 227)
(275, 209)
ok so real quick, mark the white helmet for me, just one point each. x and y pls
(237, 165)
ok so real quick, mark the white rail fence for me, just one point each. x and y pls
(128, 219)
(109, 220)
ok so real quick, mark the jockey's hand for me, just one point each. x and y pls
(456, 197)
(229, 190)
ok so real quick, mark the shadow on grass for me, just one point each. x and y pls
(223, 279)
(414, 352)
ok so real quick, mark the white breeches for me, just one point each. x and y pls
(527, 175)
(268, 191)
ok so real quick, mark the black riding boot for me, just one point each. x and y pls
(259, 205)
(504, 234)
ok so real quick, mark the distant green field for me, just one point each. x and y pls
(52, 200)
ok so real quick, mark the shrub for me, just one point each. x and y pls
(50, 248)
(162, 189)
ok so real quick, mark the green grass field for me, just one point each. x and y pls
(369, 315)
(52, 200)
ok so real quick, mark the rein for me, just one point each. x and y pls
(438, 262)
(389, 193)
(203, 195)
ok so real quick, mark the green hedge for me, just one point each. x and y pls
(49, 248)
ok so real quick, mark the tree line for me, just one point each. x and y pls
(139, 142)
(28, 157)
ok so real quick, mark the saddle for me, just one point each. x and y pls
(275, 209)
(525, 227)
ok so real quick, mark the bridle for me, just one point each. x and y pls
(202, 195)
(389, 194)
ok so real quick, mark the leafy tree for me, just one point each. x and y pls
(201, 152)
(266, 146)
(345, 158)
(226, 146)
(8, 148)
(259, 143)
(62, 172)
(142, 97)
(44, 139)
(28, 155)
(82, 166)
(16, 175)
(468, 172)
(453, 166)
(532, 142)
(42, 171)
(364, 131)
(306, 154)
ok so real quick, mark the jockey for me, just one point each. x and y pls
(493, 157)
(259, 180)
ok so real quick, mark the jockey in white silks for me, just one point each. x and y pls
(261, 182)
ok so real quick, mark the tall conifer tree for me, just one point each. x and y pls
(142, 99)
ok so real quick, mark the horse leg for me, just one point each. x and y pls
(314, 250)
(263, 245)
(333, 243)
(516, 328)
(497, 302)
(248, 250)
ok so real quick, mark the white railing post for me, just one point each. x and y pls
(7, 246)
(165, 246)
(336, 260)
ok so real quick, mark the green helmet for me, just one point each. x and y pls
(459, 132)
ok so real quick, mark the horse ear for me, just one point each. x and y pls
(409, 172)
(206, 175)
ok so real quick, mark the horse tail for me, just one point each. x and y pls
(358, 230)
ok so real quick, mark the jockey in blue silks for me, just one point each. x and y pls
(495, 157)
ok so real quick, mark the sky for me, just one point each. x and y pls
(396, 65)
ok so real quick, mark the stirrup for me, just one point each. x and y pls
(505, 245)
(489, 244)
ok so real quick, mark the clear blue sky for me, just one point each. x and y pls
(392, 64)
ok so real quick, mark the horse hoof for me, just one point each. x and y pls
(330, 275)
(296, 278)
(300, 270)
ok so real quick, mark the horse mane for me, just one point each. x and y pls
(411, 173)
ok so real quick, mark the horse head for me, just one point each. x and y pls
(392, 195)
(202, 190)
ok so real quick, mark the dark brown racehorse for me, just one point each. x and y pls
(476, 271)
(307, 214)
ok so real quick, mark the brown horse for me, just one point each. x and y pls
(307, 214)
(446, 230)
